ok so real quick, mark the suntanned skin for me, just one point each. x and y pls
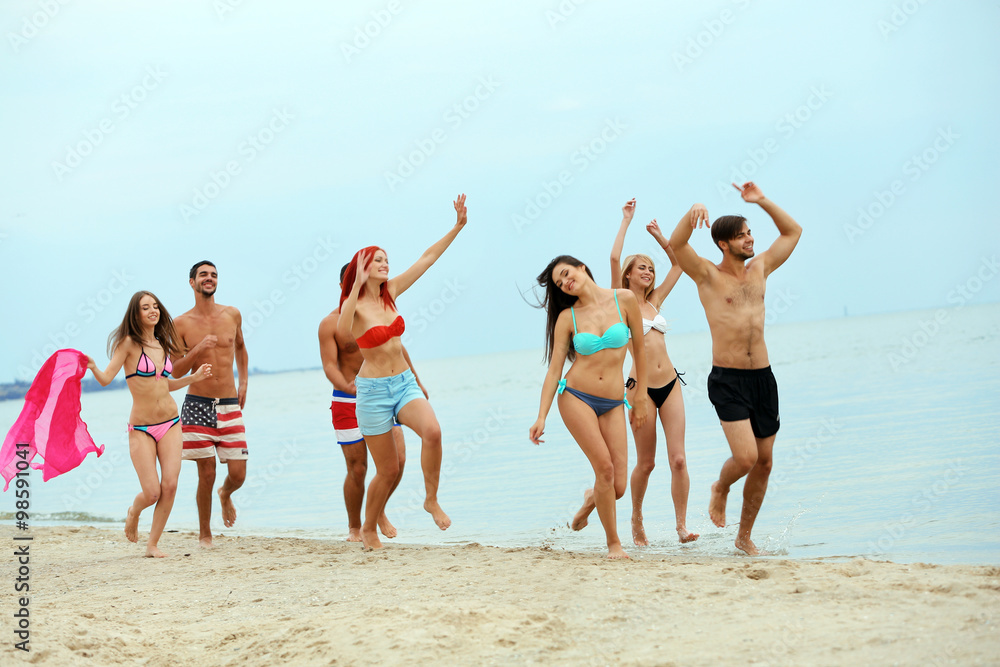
(732, 293)
(212, 333)
(342, 360)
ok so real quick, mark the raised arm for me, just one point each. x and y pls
(633, 318)
(118, 357)
(403, 281)
(690, 262)
(560, 348)
(789, 231)
(345, 322)
(628, 210)
(204, 371)
(661, 291)
(406, 356)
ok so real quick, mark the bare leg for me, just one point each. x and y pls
(203, 498)
(580, 519)
(753, 494)
(744, 448)
(356, 458)
(645, 450)
(142, 449)
(419, 416)
(168, 451)
(234, 480)
(389, 530)
(386, 460)
(672, 418)
(590, 435)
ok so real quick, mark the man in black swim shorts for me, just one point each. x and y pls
(741, 385)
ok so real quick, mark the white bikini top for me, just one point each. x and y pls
(657, 323)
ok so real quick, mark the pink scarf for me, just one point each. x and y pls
(50, 421)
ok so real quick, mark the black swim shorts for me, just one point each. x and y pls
(739, 394)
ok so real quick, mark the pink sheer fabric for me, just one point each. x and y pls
(50, 421)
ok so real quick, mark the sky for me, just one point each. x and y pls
(276, 139)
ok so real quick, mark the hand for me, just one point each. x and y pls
(241, 395)
(423, 389)
(628, 210)
(91, 364)
(208, 342)
(750, 192)
(463, 213)
(352, 389)
(204, 371)
(536, 431)
(654, 230)
(637, 416)
(364, 269)
(699, 216)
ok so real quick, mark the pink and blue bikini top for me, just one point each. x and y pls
(616, 336)
(147, 369)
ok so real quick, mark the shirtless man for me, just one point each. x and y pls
(341, 362)
(741, 385)
(212, 418)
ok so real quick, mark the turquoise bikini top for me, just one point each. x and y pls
(616, 336)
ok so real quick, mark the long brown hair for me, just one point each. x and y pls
(556, 301)
(132, 328)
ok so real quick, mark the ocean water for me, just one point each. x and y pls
(889, 449)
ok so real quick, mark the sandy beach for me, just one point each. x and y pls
(266, 601)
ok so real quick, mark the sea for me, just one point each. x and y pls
(889, 449)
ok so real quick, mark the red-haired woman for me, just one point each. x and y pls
(387, 390)
(144, 342)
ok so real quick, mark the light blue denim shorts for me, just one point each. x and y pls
(381, 399)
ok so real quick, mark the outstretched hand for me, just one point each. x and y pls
(699, 216)
(463, 213)
(750, 192)
(204, 371)
(657, 233)
(628, 210)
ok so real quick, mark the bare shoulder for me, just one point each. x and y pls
(626, 297)
(329, 323)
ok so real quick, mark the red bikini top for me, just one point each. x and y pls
(381, 334)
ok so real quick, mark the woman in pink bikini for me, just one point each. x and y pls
(145, 335)
(387, 390)
(639, 275)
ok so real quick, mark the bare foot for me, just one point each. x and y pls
(370, 540)
(353, 534)
(153, 552)
(580, 519)
(717, 505)
(228, 509)
(748, 546)
(616, 552)
(638, 532)
(686, 535)
(131, 526)
(440, 518)
(205, 542)
(389, 530)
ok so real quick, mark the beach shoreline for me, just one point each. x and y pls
(267, 600)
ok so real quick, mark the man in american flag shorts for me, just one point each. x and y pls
(212, 417)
